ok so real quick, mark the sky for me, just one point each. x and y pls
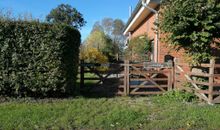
(92, 10)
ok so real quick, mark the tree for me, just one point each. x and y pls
(192, 25)
(65, 13)
(113, 29)
(103, 43)
(107, 25)
(97, 27)
(141, 51)
(96, 39)
(117, 33)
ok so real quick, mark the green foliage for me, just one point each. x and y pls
(192, 25)
(37, 59)
(92, 55)
(113, 30)
(176, 96)
(103, 43)
(64, 13)
(139, 47)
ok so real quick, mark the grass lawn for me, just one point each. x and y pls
(159, 112)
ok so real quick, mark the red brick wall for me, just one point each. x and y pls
(147, 27)
(165, 49)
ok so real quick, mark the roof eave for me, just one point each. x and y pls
(136, 14)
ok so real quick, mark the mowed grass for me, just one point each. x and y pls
(153, 113)
(79, 113)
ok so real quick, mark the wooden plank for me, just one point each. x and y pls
(202, 91)
(144, 79)
(199, 66)
(138, 72)
(201, 83)
(92, 79)
(147, 86)
(146, 93)
(216, 92)
(149, 79)
(211, 79)
(137, 65)
(128, 78)
(198, 74)
(175, 83)
(170, 81)
(207, 92)
(205, 65)
(217, 65)
(125, 78)
(216, 75)
(149, 65)
(216, 85)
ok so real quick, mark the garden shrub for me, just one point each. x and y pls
(93, 55)
(38, 59)
(139, 49)
(192, 25)
(176, 96)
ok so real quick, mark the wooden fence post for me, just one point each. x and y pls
(128, 78)
(82, 70)
(211, 79)
(170, 77)
(125, 77)
(170, 80)
(175, 74)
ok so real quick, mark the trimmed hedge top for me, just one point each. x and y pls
(38, 59)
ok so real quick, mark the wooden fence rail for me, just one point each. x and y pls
(203, 79)
(156, 78)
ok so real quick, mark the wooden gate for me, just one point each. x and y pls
(105, 76)
(132, 78)
(148, 78)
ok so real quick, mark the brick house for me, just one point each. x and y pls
(142, 22)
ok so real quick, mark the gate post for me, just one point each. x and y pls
(211, 79)
(170, 80)
(82, 70)
(126, 77)
(175, 73)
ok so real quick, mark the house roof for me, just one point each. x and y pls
(139, 14)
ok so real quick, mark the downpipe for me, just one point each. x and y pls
(145, 5)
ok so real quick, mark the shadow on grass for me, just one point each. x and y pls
(108, 89)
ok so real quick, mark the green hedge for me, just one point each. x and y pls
(38, 59)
